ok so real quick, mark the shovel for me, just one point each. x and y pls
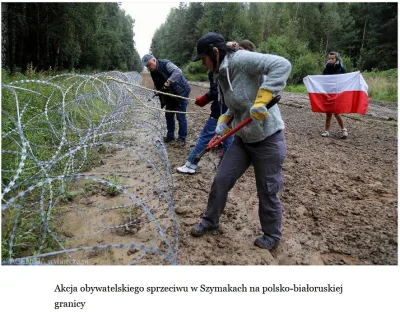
(216, 140)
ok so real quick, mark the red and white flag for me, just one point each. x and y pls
(338, 93)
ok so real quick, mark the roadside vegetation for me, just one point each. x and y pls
(52, 129)
(365, 35)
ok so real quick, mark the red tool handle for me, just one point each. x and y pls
(216, 141)
(215, 138)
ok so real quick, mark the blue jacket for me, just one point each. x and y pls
(217, 108)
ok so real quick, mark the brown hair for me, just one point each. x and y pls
(247, 45)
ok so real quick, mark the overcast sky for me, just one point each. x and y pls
(148, 17)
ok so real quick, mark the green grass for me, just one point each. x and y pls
(43, 134)
(93, 188)
(296, 89)
(382, 85)
(28, 233)
(42, 131)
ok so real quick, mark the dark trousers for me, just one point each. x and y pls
(267, 157)
(181, 117)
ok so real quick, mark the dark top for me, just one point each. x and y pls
(336, 68)
(217, 107)
(180, 87)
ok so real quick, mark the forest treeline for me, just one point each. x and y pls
(364, 33)
(67, 36)
(99, 36)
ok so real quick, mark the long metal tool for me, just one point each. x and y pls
(216, 140)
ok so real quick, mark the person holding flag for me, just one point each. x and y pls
(334, 66)
(336, 92)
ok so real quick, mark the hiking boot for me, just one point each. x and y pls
(185, 169)
(326, 134)
(180, 142)
(168, 139)
(266, 243)
(199, 230)
(344, 133)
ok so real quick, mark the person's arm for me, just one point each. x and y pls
(275, 67)
(174, 72)
(277, 70)
(211, 95)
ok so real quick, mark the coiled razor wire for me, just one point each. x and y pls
(63, 201)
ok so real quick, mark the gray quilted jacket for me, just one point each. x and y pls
(240, 76)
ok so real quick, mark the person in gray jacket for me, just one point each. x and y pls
(261, 143)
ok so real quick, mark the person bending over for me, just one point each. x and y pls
(167, 77)
(261, 142)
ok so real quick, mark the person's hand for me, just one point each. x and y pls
(167, 84)
(222, 127)
(259, 111)
(202, 101)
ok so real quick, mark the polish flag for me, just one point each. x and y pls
(338, 93)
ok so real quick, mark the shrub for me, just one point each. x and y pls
(297, 52)
(195, 71)
(348, 64)
(307, 64)
(382, 85)
(284, 46)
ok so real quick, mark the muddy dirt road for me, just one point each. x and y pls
(339, 198)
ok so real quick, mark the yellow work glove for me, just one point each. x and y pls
(222, 127)
(259, 110)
